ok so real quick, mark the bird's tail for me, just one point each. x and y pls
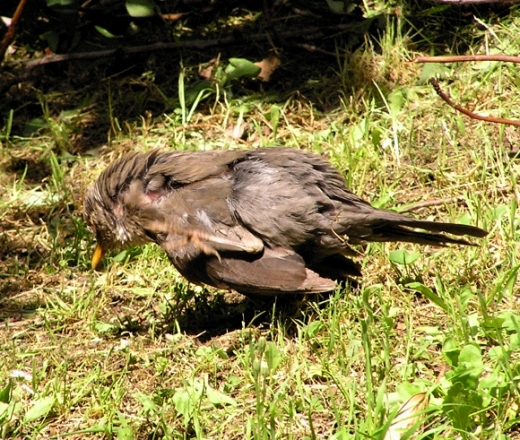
(396, 227)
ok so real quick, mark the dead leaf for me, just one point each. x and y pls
(407, 416)
(267, 67)
(172, 17)
(236, 131)
(205, 70)
(6, 20)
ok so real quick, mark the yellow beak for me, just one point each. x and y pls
(97, 256)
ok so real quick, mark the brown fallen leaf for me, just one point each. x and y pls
(407, 416)
(172, 17)
(267, 66)
(206, 70)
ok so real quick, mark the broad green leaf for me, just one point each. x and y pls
(184, 405)
(217, 398)
(198, 91)
(497, 353)
(451, 351)
(312, 329)
(51, 3)
(435, 10)
(40, 409)
(377, 135)
(103, 327)
(470, 361)
(220, 353)
(272, 356)
(514, 342)
(3, 411)
(106, 33)
(120, 257)
(459, 404)
(493, 380)
(147, 402)
(406, 390)
(261, 344)
(187, 400)
(499, 211)
(124, 432)
(240, 68)
(396, 100)
(507, 320)
(232, 382)
(433, 70)
(403, 257)
(204, 351)
(5, 393)
(140, 8)
(33, 126)
(341, 6)
(143, 291)
(428, 293)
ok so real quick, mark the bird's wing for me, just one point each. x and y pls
(276, 272)
(200, 212)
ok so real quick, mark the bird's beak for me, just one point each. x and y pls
(97, 256)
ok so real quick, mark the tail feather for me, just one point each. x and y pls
(395, 233)
(391, 226)
(450, 228)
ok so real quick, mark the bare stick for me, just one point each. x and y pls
(10, 31)
(428, 203)
(447, 200)
(467, 112)
(315, 32)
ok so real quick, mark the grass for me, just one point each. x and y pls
(135, 352)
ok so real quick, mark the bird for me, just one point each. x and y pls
(263, 222)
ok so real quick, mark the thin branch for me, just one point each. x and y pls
(312, 48)
(467, 112)
(428, 203)
(450, 200)
(10, 30)
(464, 58)
(315, 33)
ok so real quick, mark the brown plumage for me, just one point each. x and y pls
(263, 222)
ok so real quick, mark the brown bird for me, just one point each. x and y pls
(269, 221)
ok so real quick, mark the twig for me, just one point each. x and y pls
(10, 30)
(428, 203)
(464, 58)
(312, 48)
(449, 200)
(467, 112)
(315, 32)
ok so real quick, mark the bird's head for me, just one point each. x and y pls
(114, 206)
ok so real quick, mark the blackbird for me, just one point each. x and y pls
(269, 221)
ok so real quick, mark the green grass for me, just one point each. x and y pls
(135, 352)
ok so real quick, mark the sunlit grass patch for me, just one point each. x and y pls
(133, 351)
